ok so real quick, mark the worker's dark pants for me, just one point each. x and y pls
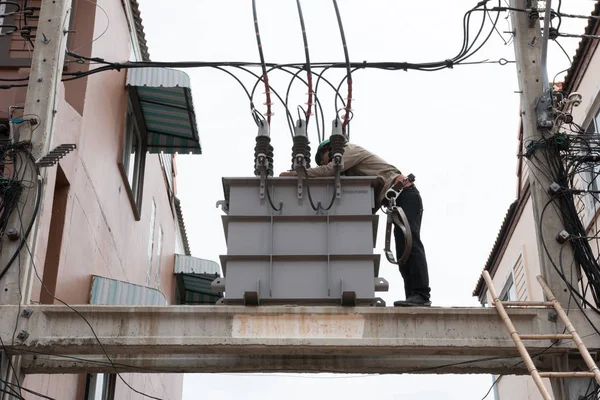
(414, 271)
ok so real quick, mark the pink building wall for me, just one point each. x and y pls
(101, 235)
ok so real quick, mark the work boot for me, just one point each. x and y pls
(414, 300)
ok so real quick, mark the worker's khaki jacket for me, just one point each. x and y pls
(361, 162)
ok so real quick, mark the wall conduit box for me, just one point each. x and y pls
(298, 255)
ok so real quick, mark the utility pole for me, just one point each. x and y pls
(530, 55)
(40, 109)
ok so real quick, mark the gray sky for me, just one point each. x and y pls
(456, 130)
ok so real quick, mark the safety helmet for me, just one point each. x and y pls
(321, 150)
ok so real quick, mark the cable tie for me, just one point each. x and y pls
(450, 63)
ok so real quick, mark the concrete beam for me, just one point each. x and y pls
(280, 338)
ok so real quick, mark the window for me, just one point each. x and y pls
(519, 277)
(15, 47)
(20, 29)
(158, 258)
(509, 292)
(133, 148)
(590, 177)
(133, 160)
(151, 243)
(100, 386)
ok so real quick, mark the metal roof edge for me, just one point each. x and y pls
(580, 59)
(186, 244)
(139, 29)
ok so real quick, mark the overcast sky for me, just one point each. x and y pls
(456, 130)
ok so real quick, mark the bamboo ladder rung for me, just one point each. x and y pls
(516, 339)
(527, 303)
(537, 376)
(582, 374)
(546, 337)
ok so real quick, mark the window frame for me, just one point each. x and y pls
(5, 43)
(133, 36)
(589, 180)
(134, 188)
(159, 245)
(151, 235)
(109, 383)
(508, 288)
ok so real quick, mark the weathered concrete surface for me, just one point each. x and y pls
(281, 338)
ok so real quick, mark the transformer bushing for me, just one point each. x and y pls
(337, 141)
(263, 157)
(300, 153)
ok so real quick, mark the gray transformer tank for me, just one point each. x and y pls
(298, 255)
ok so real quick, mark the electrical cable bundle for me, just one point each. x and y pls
(568, 158)
(470, 46)
(15, 158)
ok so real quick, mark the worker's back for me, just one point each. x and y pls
(365, 163)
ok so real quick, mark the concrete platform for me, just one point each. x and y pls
(281, 339)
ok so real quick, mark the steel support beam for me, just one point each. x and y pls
(280, 338)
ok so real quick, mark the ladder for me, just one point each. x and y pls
(537, 376)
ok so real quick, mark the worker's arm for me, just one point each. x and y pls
(350, 158)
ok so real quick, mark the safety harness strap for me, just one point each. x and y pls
(396, 215)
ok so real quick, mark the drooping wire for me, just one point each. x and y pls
(265, 77)
(564, 51)
(495, 27)
(348, 106)
(290, 119)
(565, 158)
(309, 81)
(285, 68)
(318, 106)
(468, 49)
(95, 3)
(43, 396)
(349, 113)
(26, 233)
(558, 12)
(17, 156)
(12, 368)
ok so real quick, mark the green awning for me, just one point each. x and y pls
(193, 277)
(164, 99)
(195, 288)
